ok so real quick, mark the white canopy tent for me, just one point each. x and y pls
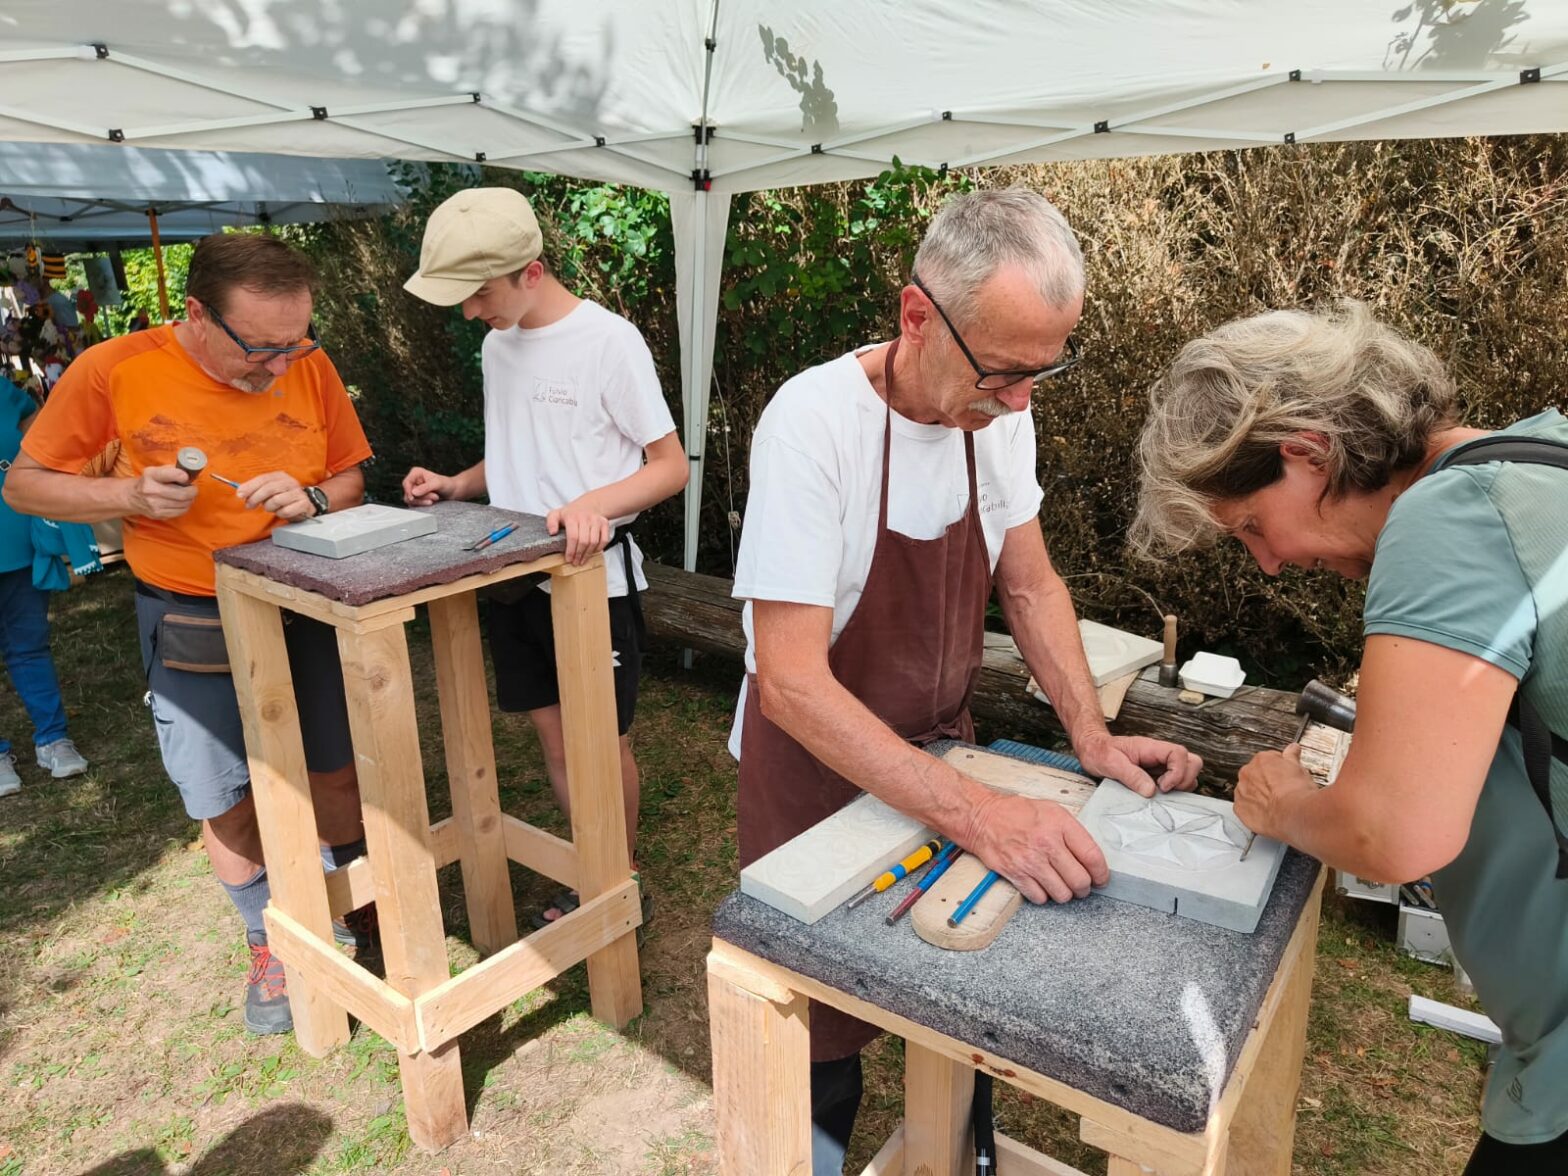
(78, 197)
(704, 98)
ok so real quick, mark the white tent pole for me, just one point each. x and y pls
(1424, 104)
(700, 221)
(58, 124)
(12, 56)
(692, 219)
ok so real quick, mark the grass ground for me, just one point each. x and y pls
(122, 971)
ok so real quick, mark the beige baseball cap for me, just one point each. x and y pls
(474, 236)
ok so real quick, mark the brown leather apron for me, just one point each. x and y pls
(911, 652)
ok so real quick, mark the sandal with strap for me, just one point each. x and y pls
(563, 904)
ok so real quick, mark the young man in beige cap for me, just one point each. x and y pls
(576, 430)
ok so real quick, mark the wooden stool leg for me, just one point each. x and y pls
(470, 769)
(761, 1080)
(938, 1098)
(1262, 1135)
(281, 788)
(593, 775)
(380, 692)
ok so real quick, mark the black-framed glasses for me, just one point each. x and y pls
(994, 381)
(261, 355)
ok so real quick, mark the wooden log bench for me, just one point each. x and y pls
(696, 611)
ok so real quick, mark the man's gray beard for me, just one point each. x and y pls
(991, 407)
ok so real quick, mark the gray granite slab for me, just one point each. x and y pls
(403, 567)
(1144, 1010)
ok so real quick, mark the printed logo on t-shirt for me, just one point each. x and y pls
(558, 392)
(1516, 1093)
(990, 501)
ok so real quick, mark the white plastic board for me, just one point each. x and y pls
(1447, 1016)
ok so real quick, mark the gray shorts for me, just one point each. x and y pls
(197, 716)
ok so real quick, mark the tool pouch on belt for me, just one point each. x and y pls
(192, 643)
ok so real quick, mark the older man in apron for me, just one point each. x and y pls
(891, 490)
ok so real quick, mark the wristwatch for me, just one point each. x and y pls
(318, 499)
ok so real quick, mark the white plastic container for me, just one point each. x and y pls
(1350, 885)
(1423, 934)
(1209, 673)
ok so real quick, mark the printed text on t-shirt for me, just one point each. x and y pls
(561, 392)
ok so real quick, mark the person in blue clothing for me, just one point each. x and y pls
(24, 620)
(1329, 441)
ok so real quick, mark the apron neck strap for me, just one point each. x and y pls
(887, 432)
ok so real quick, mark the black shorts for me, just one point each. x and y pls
(522, 646)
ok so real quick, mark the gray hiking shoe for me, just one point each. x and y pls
(266, 991)
(61, 759)
(9, 781)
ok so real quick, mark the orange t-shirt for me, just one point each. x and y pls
(146, 392)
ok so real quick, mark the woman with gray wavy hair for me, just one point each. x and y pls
(1329, 441)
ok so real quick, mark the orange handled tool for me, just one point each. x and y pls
(913, 862)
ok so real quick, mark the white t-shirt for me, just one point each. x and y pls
(569, 408)
(816, 483)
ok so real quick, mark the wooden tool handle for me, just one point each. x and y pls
(983, 924)
(1169, 657)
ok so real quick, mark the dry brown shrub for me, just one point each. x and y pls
(1461, 243)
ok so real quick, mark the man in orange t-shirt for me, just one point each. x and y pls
(242, 379)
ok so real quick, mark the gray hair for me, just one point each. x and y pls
(1218, 417)
(977, 233)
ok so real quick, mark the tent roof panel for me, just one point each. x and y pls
(128, 173)
(865, 81)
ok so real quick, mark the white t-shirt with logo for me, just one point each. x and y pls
(569, 408)
(816, 483)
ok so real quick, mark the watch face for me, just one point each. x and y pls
(318, 498)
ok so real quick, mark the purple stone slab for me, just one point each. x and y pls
(407, 566)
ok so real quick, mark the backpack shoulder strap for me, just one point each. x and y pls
(1500, 447)
(1539, 743)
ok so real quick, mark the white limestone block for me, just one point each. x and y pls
(356, 530)
(1114, 654)
(813, 873)
(1182, 853)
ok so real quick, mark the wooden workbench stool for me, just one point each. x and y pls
(760, 1015)
(420, 1008)
(1178, 1044)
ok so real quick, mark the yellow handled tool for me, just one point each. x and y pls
(913, 862)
